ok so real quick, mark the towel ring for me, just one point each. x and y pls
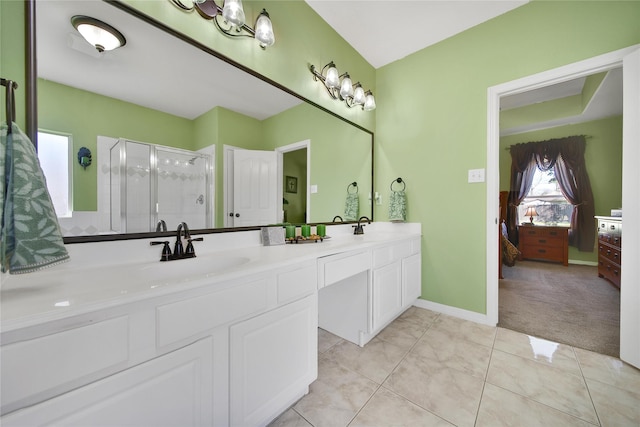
(399, 181)
(353, 184)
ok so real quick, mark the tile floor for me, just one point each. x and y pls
(429, 369)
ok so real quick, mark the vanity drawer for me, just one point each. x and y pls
(297, 283)
(391, 253)
(334, 268)
(183, 319)
(43, 367)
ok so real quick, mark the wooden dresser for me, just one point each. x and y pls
(609, 248)
(546, 243)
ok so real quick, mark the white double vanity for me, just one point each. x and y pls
(115, 337)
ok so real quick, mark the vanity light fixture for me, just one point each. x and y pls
(340, 87)
(230, 19)
(98, 34)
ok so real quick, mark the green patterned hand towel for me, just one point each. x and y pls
(351, 207)
(30, 238)
(398, 206)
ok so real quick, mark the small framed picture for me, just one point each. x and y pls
(291, 184)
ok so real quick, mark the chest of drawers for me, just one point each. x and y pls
(609, 248)
(545, 243)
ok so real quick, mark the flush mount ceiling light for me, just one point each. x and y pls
(340, 87)
(98, 34)
(230, 19)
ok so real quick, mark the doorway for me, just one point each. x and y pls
(566, 304)
(629, 59)
(294, 174)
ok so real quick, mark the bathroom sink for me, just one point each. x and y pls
(186, 269)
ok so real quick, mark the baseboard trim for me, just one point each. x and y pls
(454, 311)
(580, 262)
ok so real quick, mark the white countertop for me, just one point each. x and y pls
(108, 274)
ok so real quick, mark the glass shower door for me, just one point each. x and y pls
(183, 188)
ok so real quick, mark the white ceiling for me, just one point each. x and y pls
(383, 31)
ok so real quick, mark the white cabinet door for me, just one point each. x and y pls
(172, 390)
(411, 279)
(273, 359)
(387, 294)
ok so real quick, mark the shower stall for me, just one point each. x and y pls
(152, 185)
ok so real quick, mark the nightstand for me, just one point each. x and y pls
(545, 243)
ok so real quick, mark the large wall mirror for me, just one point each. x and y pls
(177, 134)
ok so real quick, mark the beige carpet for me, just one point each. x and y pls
(570, 305)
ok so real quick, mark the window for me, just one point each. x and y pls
(546, 197)
(54, 156)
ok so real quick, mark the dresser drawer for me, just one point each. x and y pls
(534, 233)
(552, 253)
(609, 270)
(612, 239)
(610, 252)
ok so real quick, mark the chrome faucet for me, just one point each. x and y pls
(161, 226)
(358, 229)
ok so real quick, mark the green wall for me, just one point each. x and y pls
(431, 124)
(603, 158)
(86, 115)
(294, 164)
(12, 56)
(340, 155)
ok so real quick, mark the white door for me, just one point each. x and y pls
(387, 293)
(255, 185)
(273, 359)
(630, 274)
(411, 279)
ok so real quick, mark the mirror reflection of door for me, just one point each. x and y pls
(294, 201)
(255, 195)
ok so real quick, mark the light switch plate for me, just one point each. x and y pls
(476, 175)
(314, 189)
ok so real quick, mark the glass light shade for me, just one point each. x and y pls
(369, 102)
(346, 88)
(233, 13)
(333, 78)
(264, 30)
(358, 95)
(98, 34)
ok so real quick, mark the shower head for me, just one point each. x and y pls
(193, 160)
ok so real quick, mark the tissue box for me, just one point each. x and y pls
(616, 212)
(272, 236)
